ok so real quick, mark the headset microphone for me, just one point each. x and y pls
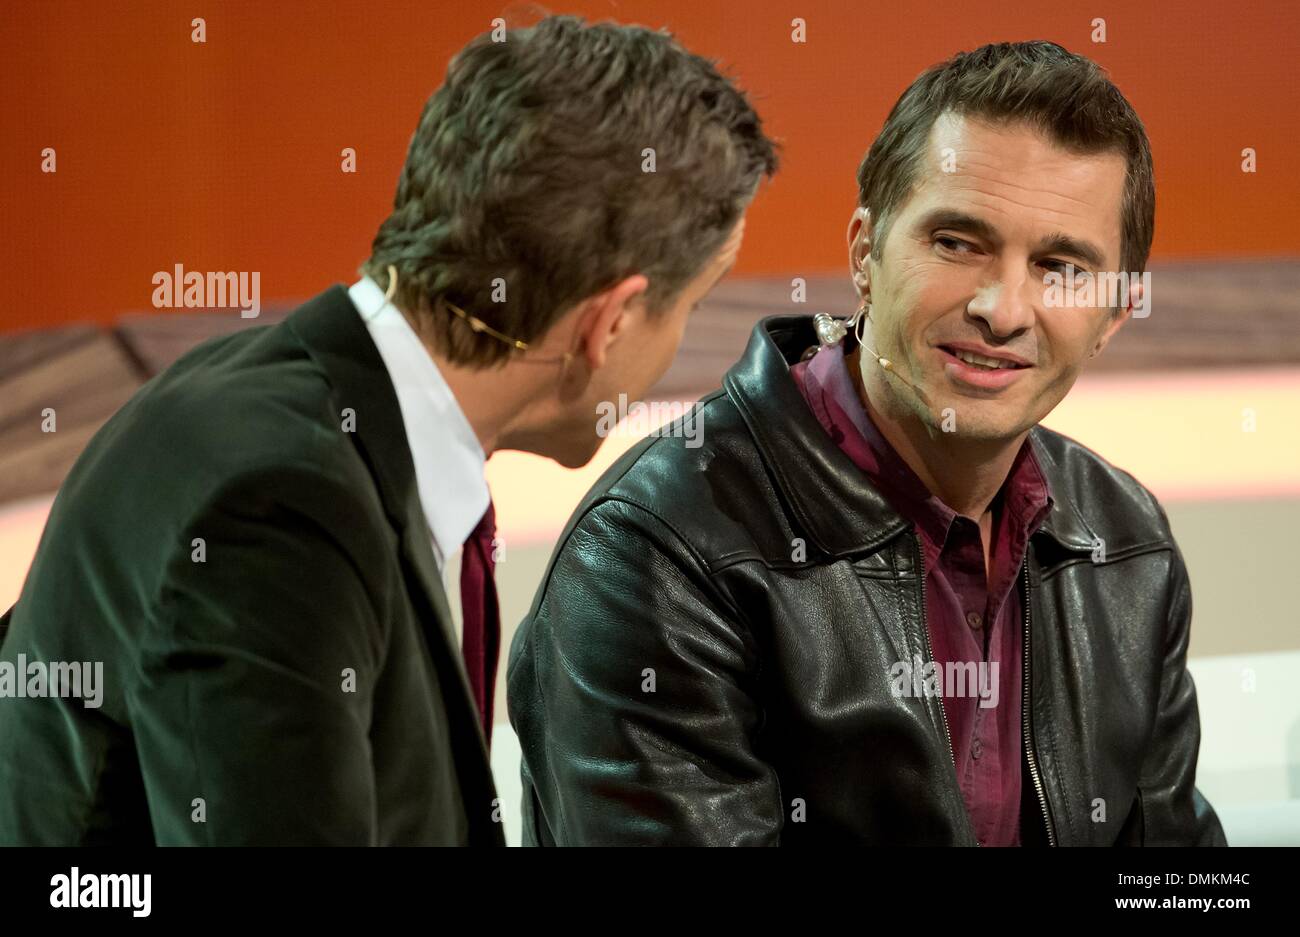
(830, 330)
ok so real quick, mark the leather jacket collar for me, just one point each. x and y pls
(818, 480)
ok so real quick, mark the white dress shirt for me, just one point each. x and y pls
(449, 461)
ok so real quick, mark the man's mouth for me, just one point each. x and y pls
(973, 370)
(981, 361)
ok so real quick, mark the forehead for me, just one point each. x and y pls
(1020, 181)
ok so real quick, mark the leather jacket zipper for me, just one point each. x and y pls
(929, 650)
(1024, 716)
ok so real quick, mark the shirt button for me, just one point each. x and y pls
(974, 619)
(976, 749)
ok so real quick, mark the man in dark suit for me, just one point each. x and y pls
(253, 548)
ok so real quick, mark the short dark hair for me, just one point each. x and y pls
(526, 170)
(1066, 96)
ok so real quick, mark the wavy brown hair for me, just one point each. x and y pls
(526, 170)
(1066, 96)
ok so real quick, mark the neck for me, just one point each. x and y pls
(497, 402)
(493, 400)
(965, 474)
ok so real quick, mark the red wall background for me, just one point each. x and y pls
(226, 155)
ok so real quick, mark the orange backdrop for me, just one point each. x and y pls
(226, 155)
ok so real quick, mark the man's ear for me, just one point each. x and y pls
(859, 241)
(1118, 316)
(607, 316)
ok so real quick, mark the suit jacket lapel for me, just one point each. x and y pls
(337, 340)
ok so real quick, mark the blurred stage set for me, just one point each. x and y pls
(225, 156)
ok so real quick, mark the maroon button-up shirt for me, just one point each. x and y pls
(972, 617)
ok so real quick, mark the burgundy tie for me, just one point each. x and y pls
(482, 618)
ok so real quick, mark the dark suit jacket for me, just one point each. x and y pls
(228, 714)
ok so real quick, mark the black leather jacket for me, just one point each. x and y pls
(686, 676)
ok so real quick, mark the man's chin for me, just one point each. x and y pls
(577, 454)
(993, 430)
(977, 420)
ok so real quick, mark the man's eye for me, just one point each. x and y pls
(1063, 268)
(952, 244)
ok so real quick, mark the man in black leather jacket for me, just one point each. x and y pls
(713, 655)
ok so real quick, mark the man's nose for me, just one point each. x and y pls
(1005, 303)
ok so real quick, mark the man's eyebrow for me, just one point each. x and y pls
(1056, 243)
(1086, 251)
(958, 221)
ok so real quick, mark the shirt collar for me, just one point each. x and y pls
(449, 460)
(1027, 496)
